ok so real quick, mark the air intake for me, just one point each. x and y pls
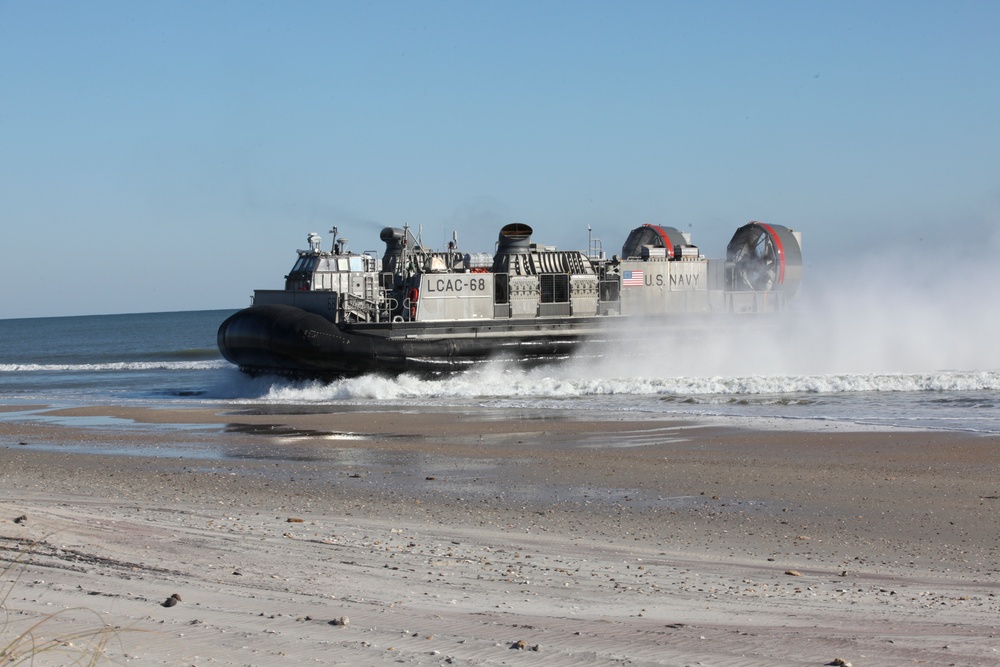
(514, 238)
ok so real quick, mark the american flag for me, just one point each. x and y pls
(632, 278)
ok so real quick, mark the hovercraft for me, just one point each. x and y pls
(420, 310)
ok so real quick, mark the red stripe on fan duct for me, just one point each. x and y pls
(781, 251)
(666, 239)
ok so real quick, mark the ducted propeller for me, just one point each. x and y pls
(763, 258)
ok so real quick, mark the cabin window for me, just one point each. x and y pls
(554, 287)
(501, 288)
(610, 290)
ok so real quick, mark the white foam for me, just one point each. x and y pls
(115, 366)
(499, 382)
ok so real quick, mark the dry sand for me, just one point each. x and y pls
(360, 537)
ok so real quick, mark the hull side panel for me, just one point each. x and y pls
(286, 340)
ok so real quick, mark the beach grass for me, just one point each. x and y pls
(44, 640)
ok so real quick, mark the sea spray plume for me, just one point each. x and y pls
(892, 313)
(885, 312)
(692, 347)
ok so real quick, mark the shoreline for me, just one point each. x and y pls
(483, 528)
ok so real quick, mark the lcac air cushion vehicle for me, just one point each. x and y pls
(415, 309)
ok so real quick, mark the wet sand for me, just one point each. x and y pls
(497, 537)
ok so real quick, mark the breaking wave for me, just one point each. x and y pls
(115, 366)
(505, 383)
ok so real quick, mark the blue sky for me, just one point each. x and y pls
(160, 156)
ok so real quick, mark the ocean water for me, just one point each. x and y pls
(171, 360)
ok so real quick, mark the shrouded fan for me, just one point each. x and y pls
(762, 258)
(657, 236)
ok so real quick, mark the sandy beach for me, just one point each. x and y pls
(348, 536)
